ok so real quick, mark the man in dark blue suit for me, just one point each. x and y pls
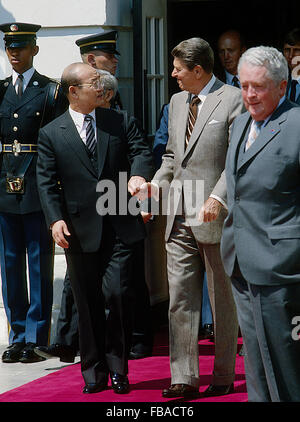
(28, 101)
(291, 51)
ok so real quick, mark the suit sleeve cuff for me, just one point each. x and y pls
(220, 200)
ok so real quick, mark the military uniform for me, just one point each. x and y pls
(23, 230)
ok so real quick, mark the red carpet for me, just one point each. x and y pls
(148, 377)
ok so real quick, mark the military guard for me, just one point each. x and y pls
(28, 100)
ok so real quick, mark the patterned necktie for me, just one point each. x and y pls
(293, 90)
(235, 82)
(253, 134)
(20, 85)
(90, 134)
(193, 112)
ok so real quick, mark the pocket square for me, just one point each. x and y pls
(213, 122)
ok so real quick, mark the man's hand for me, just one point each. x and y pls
(59, 231)
(148, 190)
(210, 210)
(134, 184)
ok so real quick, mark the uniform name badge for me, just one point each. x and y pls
(15, 184)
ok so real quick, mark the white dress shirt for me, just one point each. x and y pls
(26, 75)
(81, 124)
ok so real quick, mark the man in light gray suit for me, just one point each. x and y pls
(194, 164)
(261, 236)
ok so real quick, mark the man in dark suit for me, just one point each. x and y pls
(231, 46)
(261, 237)
(28, 101)
(291, 51)
(100, 52)
(99, 247)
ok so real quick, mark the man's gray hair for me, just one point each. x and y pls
(269, 57)
(108, 81)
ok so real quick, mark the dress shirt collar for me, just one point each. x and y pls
(27, 76)
(229, 77)
(206, 90)
(78, 118)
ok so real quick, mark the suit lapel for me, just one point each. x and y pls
(32, 90)
(102, 142)
(182, 128)
(267, 134)
(73, 139)
(211, 103)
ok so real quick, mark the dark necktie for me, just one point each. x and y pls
(20, 85)
(193, 112)
(90, 134)
(235, 82)
(293, 90)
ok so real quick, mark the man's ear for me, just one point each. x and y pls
(35, 50)
(91, 60)
(72, 91)
(198, 71)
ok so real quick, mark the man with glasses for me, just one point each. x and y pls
(100, 144)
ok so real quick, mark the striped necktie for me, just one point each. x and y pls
(90, 134)
(193, 112)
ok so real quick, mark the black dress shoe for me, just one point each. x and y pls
(218, 390)
(64, 353)
(94, 388)
(12, 353)
(28, 356)
(119, 383)
(181, 390)
(140, 351)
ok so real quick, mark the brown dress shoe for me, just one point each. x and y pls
(181, 390)
(218, 390)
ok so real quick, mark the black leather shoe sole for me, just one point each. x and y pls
(62, 357)
(183, 392)
(93, 388)
(218, 390)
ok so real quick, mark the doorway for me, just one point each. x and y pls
(261, 23)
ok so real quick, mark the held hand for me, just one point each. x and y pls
(210, 210)
(148, 190)
(59, 231)
(134, 184)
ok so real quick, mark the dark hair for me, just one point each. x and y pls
(292, 37)
(193, 52)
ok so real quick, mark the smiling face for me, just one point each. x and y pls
(260, 93)
(21, 58)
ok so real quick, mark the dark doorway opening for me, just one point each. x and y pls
(261, 23)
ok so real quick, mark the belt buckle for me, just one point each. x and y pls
(14, 184)
(16, 148)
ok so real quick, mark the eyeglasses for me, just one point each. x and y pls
(95, 84)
